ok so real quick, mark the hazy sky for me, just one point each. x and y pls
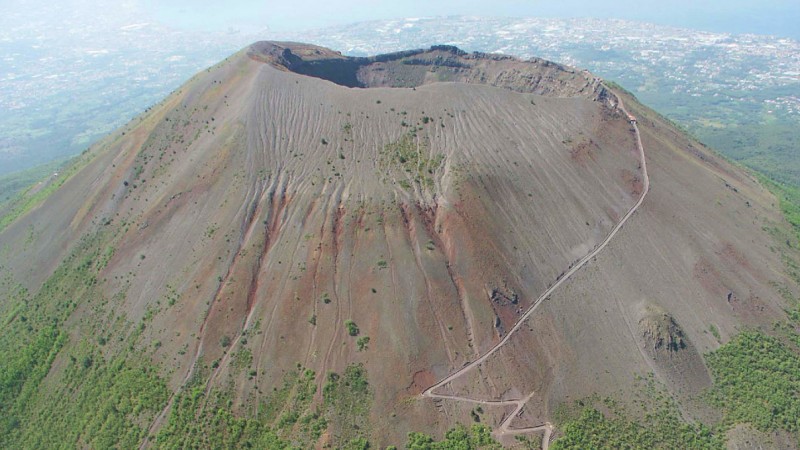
(778, 17)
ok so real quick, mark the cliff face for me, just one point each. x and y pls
(289, 202)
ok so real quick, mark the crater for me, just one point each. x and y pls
(414, 68)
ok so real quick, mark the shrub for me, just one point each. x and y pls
(352, 328)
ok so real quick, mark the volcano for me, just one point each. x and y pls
(329, 249)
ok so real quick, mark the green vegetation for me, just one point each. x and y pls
(714, 331)
(761, 141)
(108, 396)
(13, 183)
(615, 86)
(214, 427)
(757, 381)
(34, 196)
(348, 400)
(362, 343)
(284, 421)
(739, 124)
(243, 359)
(458, 438)
(593, 429)
(410, 154)
(789, 197)
(111, 400)
(285, 417)
(352, 328)
(596, 424)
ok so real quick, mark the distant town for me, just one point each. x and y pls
(691, 62)
(63, 87)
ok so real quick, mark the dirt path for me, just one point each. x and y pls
(505, 427)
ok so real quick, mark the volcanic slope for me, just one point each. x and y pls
(292, 214)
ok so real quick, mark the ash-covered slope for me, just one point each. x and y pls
(244, 238)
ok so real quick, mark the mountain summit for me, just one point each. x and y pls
(303, 247)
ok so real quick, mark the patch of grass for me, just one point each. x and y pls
(786, 243)
(411, 155)
(13, 183)
(348, 400)
(714, 331)
(242, 359)
(789, 198)
(31, 198)
(284, 419)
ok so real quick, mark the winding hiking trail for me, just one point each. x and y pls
(505, 427)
